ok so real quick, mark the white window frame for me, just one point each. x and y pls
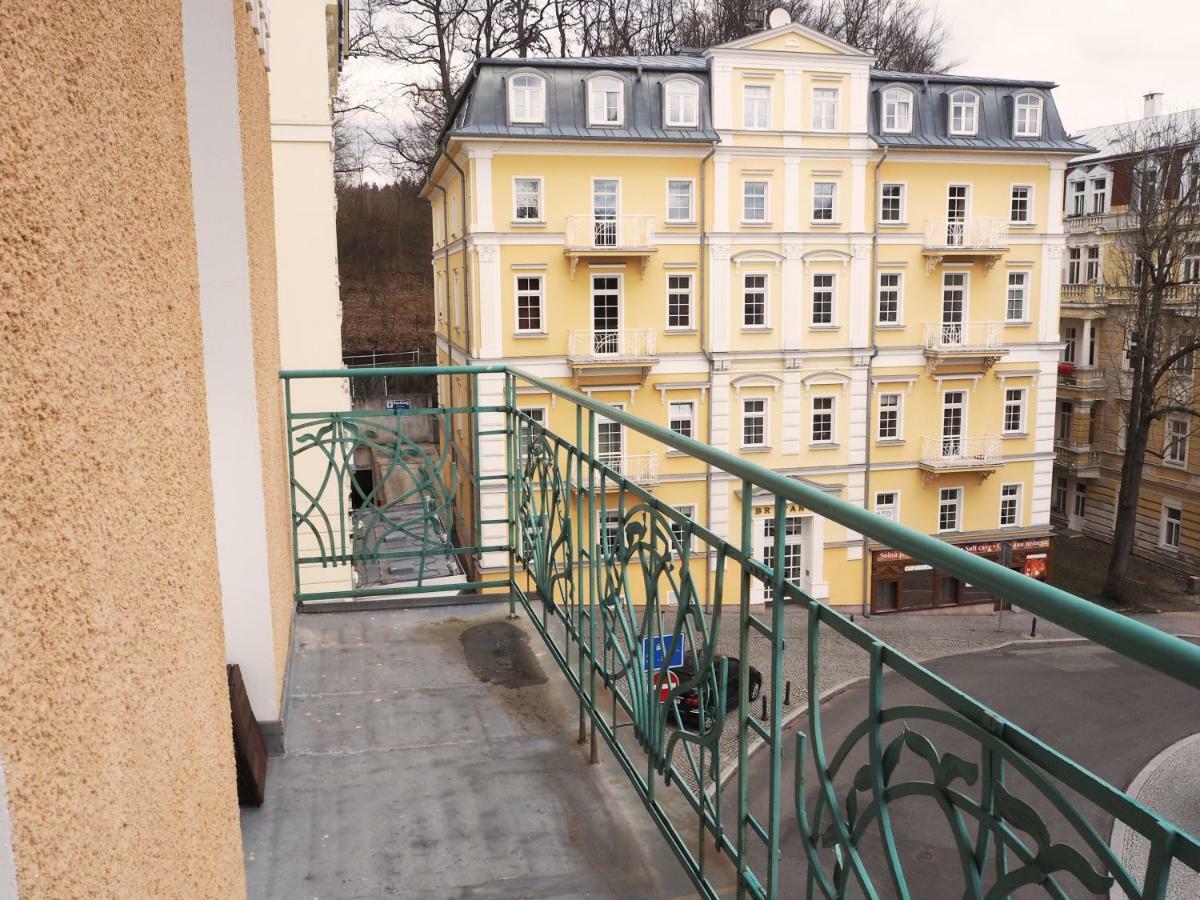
(820, 108)
(541, 200)
(1171, 441)
(879, 289)
(1018, 498)
(766, 423)
(766, 291)
(833, 420)
(903, 185)
(691, 192)
(592, 91)
(1022, 410)
(691, 304)
(891, 97)
(1076, 196)
(1012, 196)
(833, 203)
(531, 117)
(1009, 287)
(1091, 276)
(608, 520)
(752, 123)
(958, 509)
(690, 417)
(1093, 193)
(688, 510)
(693, 89)
(1075, 265)
(1038, 120)
(833, 300)
(539, 414)
(973, 105)
(541, 296)
(893, 508)
(898, 437)
(1165, 522)
(766, 185)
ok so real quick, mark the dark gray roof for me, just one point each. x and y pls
(486, 112)
(931, 112)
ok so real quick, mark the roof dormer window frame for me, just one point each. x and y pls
(1039, 119)
(535, 92)
(688, 84)
(892, 95)
(958, 98)
(592, 84)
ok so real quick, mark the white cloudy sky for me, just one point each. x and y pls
(1104, 54)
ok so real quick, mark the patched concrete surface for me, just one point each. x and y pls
(431, 753)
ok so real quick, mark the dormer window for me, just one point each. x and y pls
(681, 107)
(964, 113)
(1099, 192)
(606, 101)
(1027, 116)
(527, 99)
(897, 110)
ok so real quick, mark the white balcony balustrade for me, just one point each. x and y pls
(953, 337)
(617, 235)
(641, 468)
(958, 454)
(966, 234)
(592, 345)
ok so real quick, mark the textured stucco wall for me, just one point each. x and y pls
(254, 111)
(114, 718)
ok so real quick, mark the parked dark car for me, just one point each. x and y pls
(689, 703)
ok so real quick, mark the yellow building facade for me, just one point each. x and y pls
(846, 275)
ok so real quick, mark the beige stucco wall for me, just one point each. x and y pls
(254, 111)
(114, 719)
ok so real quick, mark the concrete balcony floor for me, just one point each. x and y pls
(431, 753)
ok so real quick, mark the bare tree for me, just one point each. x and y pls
(1157, 309)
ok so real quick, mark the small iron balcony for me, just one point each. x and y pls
(959, 454)
(982, 238)
(624, 354)
(640, 468)
(959, 342)
(615, 236)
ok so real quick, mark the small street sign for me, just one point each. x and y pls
(399, 404)
(664, 688)
(655, 649)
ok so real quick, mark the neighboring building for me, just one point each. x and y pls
(141, 335)
(849, 276)
(308, 44)
(1097, 295)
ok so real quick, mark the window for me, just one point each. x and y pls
(1172, 526)
(605, 100)
(824, 113)
(1018, 294)
(822, 299)
(1144, 194)
(897, 110)
(1080, 498)
(1060, 495)
(756, 106)
(1078, 197)
(527, 431)
(824, 194)
(889, 417)
(527, 199)
(1010, 505)
(529, 305)
(679, 201)
(610, 443)
(793, 550)
(1091, 272)
(822, 420)
(964, 112)
(1072, 265)
(1020, 209)
(1066, 412)
(610, 531)
(682, 103)
(527, 99)
(949, 509)
(680, 531)
(1027, 121)
(1099, 196)
(681, 418)
(754, 423)
(754, 301)
(679, 302)
(1191, 263)
(1139, 270)
(1014, 411)
(1175, 450)
(887, 505)
(754, 201)
(889, 298)
(891, 203)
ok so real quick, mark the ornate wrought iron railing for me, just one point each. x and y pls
(606, 571)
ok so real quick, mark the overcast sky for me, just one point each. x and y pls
(1104, 54)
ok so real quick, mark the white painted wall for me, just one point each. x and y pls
(214, 141)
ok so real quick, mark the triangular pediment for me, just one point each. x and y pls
(793, 38)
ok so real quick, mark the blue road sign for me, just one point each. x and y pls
(653, 660)
(399, 404)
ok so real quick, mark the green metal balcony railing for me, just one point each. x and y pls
(600, 564)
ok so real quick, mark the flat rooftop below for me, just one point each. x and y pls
(431, 753)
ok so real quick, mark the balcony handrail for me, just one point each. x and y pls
(970, 233)
(964, 335)
(622, 231)
(964, 451)
(611, 343)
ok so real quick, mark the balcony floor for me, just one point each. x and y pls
(431, 753)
